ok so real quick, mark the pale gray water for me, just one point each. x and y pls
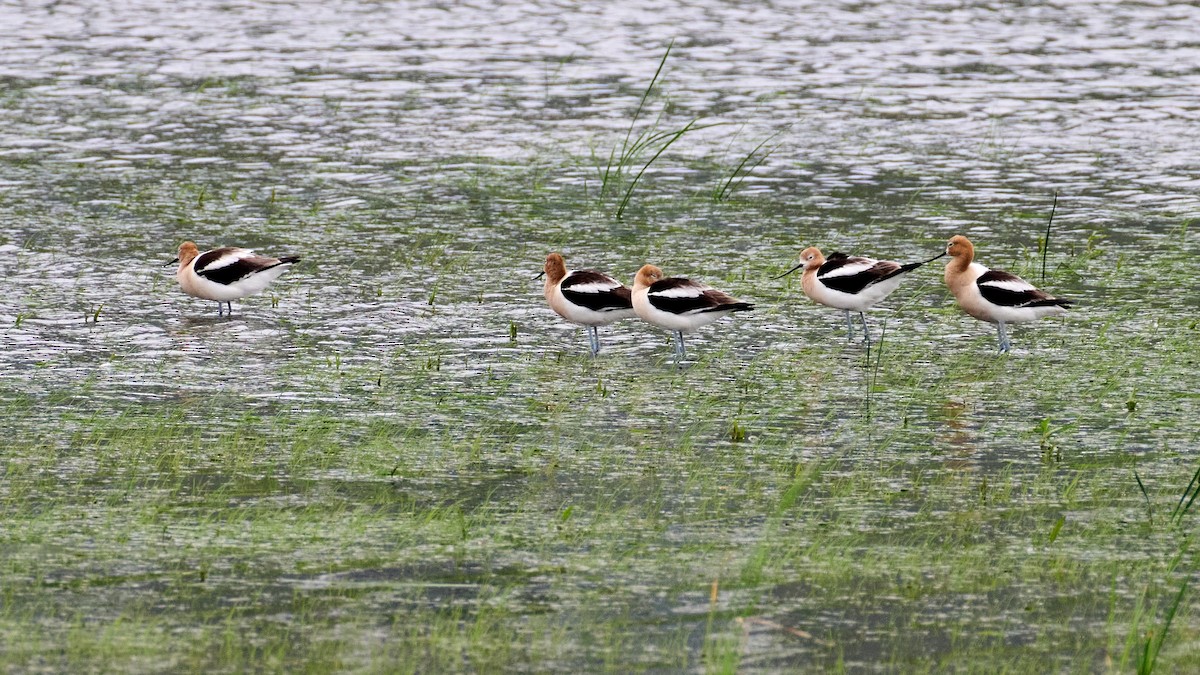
(424, 158)
(347, 131)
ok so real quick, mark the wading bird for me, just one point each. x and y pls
(226, 274)
(995, 296)
(849, 283)
(585, 297)
(680, 305)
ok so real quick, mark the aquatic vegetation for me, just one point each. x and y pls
(751, 161)
(401, 460)
(521, 501)
(651, 139)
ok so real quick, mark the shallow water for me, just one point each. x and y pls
(410, 398)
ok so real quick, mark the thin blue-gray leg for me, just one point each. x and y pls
(680, 353)
(594, 339)
(849, 328)
(1004, 343)
(866, 333)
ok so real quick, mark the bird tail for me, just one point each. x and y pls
(905, 268)
(285, 260)
(908, 267)
(737, 307)
(1052, 302)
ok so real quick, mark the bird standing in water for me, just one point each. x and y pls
(849, 283)
(680, 305)
(226, 274)
(585, 297)
(995, 296)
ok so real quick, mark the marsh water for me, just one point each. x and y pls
(398, 455)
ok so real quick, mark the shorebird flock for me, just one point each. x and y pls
(680, 305)
(849, 283)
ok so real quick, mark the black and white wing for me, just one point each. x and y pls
(229, 265)
(1009, 290)
(595, 291)
(852, 274)
(677, 295)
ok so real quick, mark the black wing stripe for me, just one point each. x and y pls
(695, 301)
(732, 307)
(849, 284)
(704, 299)
(616, 299)
(1007, 297)
(835, 261)
(587, 277)
(998, 276)
(680, 304)
(209, 257)
(673, 282)
(855, 283)
(231, 273)
(906, 267)
(1056, 302)
(711, 300)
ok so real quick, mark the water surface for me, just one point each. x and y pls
(402, 455)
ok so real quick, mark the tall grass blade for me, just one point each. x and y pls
(1155, 641)
(671, 138)
(1145, 495)
(1046, 240)
(873, 381)
(646, 94)
(1181, 509)
(625, 150)
(724, 191)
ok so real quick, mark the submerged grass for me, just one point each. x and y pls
(409, 466)
(597, 514)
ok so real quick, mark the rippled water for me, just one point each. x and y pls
(1099, 102)
(423, 158)
(126, 128)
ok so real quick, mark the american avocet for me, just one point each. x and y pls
(849, 283)
(678, 304)
(226, 274)
(585, 297)
(993, 295)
